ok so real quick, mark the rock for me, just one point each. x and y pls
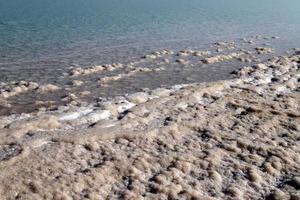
(220, 58)
(161, 92)
(201, 53)
(216, 177)
(75, 115)
(183, 53)
(77, 83)
(295, 195)
(278, 195)
(263, 50)
(221, 43)
(211, 60)
(138, 98)
(254, 176)
(95, 69)
(292, 83)
(235, 192)
(124, 106)
(85, 93)
(48, 88)
(247, 60)
(295, 182)
(97, 116)
(181, 61)
(181, 105)
(117, 106)
(151, 56)
(260, 66)
(166, 60)
(275, 37)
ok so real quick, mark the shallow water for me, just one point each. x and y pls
(40, 40)
(58, 33)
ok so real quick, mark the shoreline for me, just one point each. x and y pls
(80, 86)
(228, 139)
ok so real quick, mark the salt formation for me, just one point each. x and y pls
(232, 139)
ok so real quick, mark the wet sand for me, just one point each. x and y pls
(228, 139)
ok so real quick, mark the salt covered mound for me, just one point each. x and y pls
(235, 139)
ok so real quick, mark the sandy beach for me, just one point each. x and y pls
(229, 139)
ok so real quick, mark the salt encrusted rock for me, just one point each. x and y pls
(247, 60)
(219, 58)
(16, 88)
(4, 103)
(216, 177)
(201, 53)
(75, 115)
(138, 98)
(161, 92)
(181, 61)
(211, 60)
(221, 43)
(92, 117)
(110, 78)
(260, 66)
(124, 106)
(117, 106)
(77, 83)
(84, 93)
(263, 50)
(292, 83)
(48, 88)
(184, 53)
(254, 176)
(95, 69)
(82, 71)
(235, 192)
(181, 105)
(275, 37)
(279, 195)
(70, 97)
(295, 182)
(151, 56)
(166, 60)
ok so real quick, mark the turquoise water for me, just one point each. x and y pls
(61, 33)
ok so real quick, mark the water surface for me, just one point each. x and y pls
(41, 39)
(59, 33)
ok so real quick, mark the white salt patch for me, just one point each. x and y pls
(182, 105)
(138, 98)
(75, 115)
(281, 90)
(126, 105)
(178, 87)
(264, 80)
(98, 115)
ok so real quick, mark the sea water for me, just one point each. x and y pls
(60, 33)
(41, 39)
